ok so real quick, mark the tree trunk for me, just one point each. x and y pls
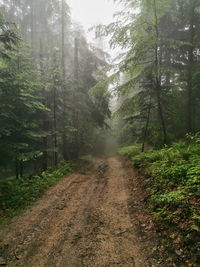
(76, 113)
(76, 61)
(32, 25)
(147, 125)
(44, 140)
(63, 40)
(55, 127)
(17, 169)
(190, 102)
(160, 113)
(157, 84)
(64, 152)
(21, 169)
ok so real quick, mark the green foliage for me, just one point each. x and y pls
(8, 37)
(146, 158)
(159, 95)
(48, 112)
(20, 105)
(172, 198)
(173, 183)
(194, 175)
(18, 194)
(129, 151)
(86, 158)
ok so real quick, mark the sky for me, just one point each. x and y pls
(93, 12)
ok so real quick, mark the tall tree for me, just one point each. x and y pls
(160, 40)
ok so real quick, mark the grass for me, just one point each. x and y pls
(17, 195)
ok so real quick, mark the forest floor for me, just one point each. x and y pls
(96, 217)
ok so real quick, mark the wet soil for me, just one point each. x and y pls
(93, 218)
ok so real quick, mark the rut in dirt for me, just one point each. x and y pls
(83, 221)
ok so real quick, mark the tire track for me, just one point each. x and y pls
(82, 221)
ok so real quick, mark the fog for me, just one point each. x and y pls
(63, 67)
(67, 106)
(91, 12)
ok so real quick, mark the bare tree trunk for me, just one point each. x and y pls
(157, 84)
(21, 169)
(55, 127)
(17, 169)
(76, 60)
(63, 39)
(190, 103)
(32, 25)
(160, 112)
(76, 113)
(65, 152)
(44, 141)
(147, 125)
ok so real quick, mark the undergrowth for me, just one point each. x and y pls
(17, 194)
(172, 180)
(86, 158)
(129, 150)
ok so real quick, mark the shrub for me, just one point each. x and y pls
(173, 187)
(17, 194)
(129, 150)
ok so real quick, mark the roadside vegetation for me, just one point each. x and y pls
(55, 105)
(49, 113)
(158, 108)
(129, 150)
(18, 194)
(171, 177)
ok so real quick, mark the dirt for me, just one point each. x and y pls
(93, 218)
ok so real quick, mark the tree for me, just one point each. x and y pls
(20, 106)
(58, 118)
(8, 37)
(160, 40)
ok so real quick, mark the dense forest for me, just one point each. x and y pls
(61, 99)
(157, 73)
(157, 80)
(48, 112)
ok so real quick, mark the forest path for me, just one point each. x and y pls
(93, 218)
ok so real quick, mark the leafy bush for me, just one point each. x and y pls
(173, 187)
(146, 158)
(129, 150)
(193, 175)
(17, 194)
(86, 158)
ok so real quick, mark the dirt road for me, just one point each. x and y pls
(84, 220)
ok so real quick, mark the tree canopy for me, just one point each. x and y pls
(48, 112)
(160, 68)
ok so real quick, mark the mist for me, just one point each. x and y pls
(99, 133)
